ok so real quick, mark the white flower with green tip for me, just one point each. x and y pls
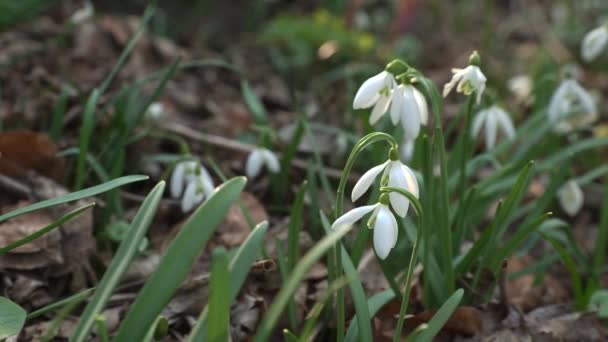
(594, 43)
(410, 108)
(571, 107)
(396, 174)
(493, 120)
(197, 182)
(382, 221)
(467, 81)
(376, 92)
(258, 158)
(571, 197)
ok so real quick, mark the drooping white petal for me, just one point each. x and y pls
(353, 216)
(366, 181)
(558, 100)
(410, 179)
(192, 196)
(407, 150)
(206, 183)
(423, 107)
(479, 83)
(369, 92)
(385, 232)
(182, 174)
(571, 197)
(594, 43)
(410, 116)
(271, 161)
(254, 163)
(491, 129)
(397, 104)
(397, 179)
(176, 184)
(504, 123)
(447, 88)
(380, 108)
(478, 121)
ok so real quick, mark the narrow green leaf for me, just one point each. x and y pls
(86, 132)
(46, 229)
(219, 297)
(356, 289)
(61, 303)
(73, 196)
(121, 261)
(308, 260)
(514, 241)
(177, 261)
(441, 317)
(239, 269)
(374, 304)
(295, 223)
(254, 104)
(12, 318)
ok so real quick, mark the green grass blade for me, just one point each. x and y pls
(46, 229)
(440, 318)
(219, 297)
(122, 59)
(295, 223)
(56, 305)
(374, 304)
(121, 261)
(177, 261)
(308, 260)
(239, 269)
(73, 196)
(86, 131)
(256, 108)
(515, 240)
(356, 289)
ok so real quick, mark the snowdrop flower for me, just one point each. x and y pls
(594, 43)
(258, 158)
(83, 14)
(570, 197)
(493, 119)
(407, 150)
(194, 177)
(521, 87)
(397, 175)
(571, 107)
(155, 112)
(376, 91)
(382, 221)
(469, 79)
(409, 106)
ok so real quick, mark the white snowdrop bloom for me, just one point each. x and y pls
(398, 176)
(83, 14)
(594, 43)
(571, 107)
(409, 106)
(261, 157)
(521, 86)
(570, 197)
(377, 91)
(382, 221)
(469, 80)
(197, 182)
(493, 120)
(156, 111)
(183, 173)
(196, 191)
(407, 150)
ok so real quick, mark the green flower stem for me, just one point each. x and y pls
(339, 207)
(464, 147)
(412, 264)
